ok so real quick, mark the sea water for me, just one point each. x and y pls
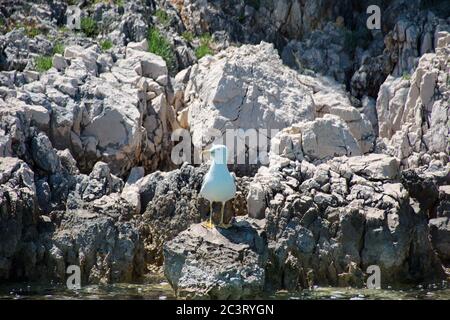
(159, 289)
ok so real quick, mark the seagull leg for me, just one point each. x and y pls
(223, 225)
(221, 213)
(209, 224)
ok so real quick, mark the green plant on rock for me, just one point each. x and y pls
(43, 63)
(31, 31)
(205, 46)
(3, 26)
(30, 28)
(162, 17)
(188, 36)
(241, 18)
(106, 44)
(159, 45)
(58, 48)
(89, 26)
(406, 76)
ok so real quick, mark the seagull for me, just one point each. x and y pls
(218, 184)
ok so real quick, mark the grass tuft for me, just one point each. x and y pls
(205, 46)
(159, 45)
(106, 45)
(43, 63)
(89, 27)
(188, 36)
(163, 17)
(58, 48)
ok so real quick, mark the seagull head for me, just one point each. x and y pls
(219, 153)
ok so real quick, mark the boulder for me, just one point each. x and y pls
(130, 191)
(100, 183)
(106, 251)
(148, 64)
(375, 166)
(321, 139)
(44, 155)
(340, 217)
(443, 209)
(59, 62)
(440, 237)
(124, 122)
(256, 201)
(217, 263)
(19, 250)
(170, 203)
(142, 45)
(244, 88)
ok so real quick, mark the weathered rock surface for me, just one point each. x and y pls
(414, 119)
(443, 209)
(440, 237)
(244, 88)
(323, 52)
(117, 113)
(106, 250)
(344, 221)
(251, 22)
(321, 139)
(325, 224)
(18, 219)
(217, 263)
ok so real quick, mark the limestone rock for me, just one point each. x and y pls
(256, 201)
(428, 94)
(375, 166)
(130, 191)
(390, 105)
(321, 139)
(324, 52)
(443, 209)
(106, 251)
(44, 155)
(330, 97)
(217, 264)
(18, 221)
(244, 88)
(440, 237)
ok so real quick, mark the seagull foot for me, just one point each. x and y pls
(225, 225)
(208, 225)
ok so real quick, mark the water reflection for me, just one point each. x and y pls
(159, 289)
